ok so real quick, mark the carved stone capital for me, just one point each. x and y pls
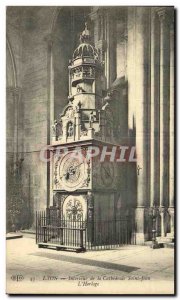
(163, 210)
(49, 39)
(94, 14)
(171, 210)
(153, 13)
(15, 91)
(164, 15)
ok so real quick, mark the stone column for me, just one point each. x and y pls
(11, 152)
(141, 98)
(154, 154)
(77, 127)
(121, 47)
(110, 53)
(130, 78)
(107, 50)
(10, 127)
(49, 39)
(131, 70)
(50, 114)
(90, 216)
(171, 132)
(112, 47)
(164, 114)
(16, 96)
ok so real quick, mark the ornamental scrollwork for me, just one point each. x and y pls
(74, 210)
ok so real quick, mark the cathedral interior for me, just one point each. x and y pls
(111, 69)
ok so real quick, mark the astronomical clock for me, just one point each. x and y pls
(84, 186)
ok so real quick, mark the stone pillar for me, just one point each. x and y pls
(141, 98)
(50, 114)
(154, 154)
(77, 127)
(49, 40)
(121, 47)
(111, 47)
(11, 153)
(164, 114)
(131, 60)
(110, 51)
(16, 97)
(90, 216)
(171, 132)
(131, 84)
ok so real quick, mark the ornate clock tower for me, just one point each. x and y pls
(84, 186)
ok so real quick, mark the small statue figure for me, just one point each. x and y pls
(91, 119)
(70, 129)
(79, 89)
(83, 132)
(91, 72)
(84, 37)
(78, 107)
(54, 128)
(105, 106)
(85, 72)
(59, 130)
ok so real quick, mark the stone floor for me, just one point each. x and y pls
(125, 270)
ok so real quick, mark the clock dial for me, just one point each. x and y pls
(71, 172)
(107, 173)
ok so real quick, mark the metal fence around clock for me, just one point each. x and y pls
(55, 230)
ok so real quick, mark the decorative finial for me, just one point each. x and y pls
(85, 35)
(86, 29)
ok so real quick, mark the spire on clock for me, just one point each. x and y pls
(85, 35)
(85, 48)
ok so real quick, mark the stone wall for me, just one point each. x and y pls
(41, 46)
(136, 46)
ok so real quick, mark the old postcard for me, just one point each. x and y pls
(90, 150)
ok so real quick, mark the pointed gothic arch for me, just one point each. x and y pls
(11, 74)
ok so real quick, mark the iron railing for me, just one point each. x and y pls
(83, 235)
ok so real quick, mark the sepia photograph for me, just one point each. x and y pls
(90, 150)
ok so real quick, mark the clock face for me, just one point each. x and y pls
(107, 173)
(72, 172)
